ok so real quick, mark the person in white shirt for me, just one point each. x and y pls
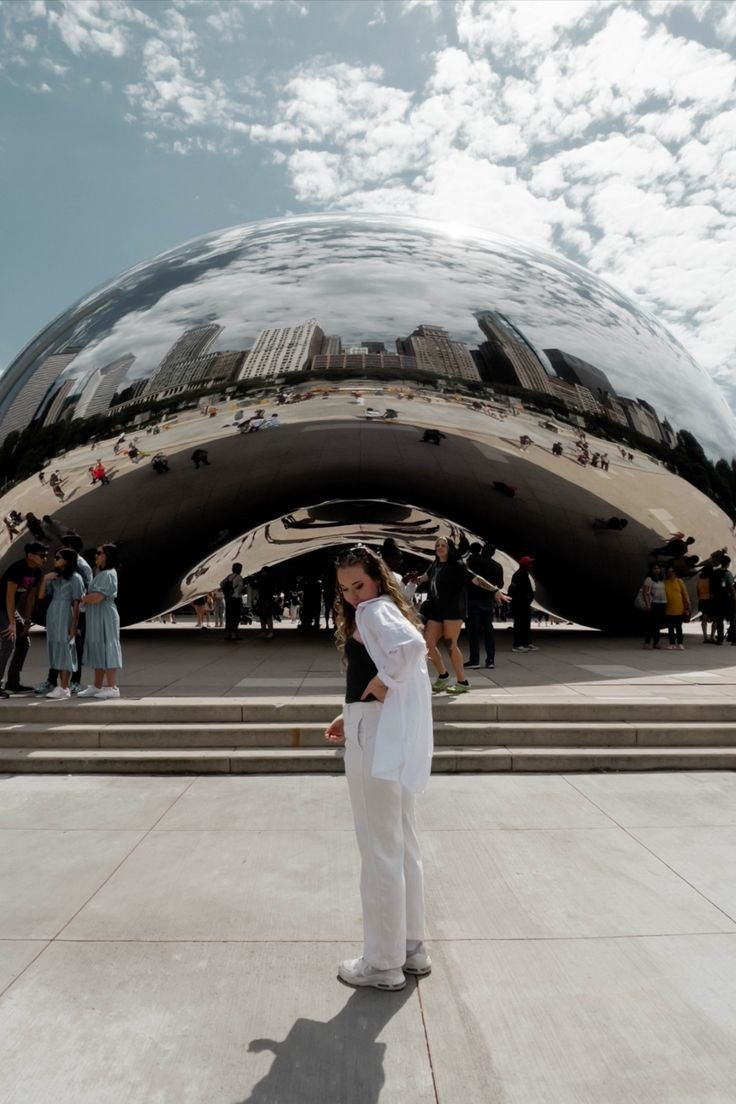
(386, 724)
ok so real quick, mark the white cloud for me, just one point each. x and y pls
(583, 125)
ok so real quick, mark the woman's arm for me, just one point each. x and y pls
(45, 580)
(93, 598)
(335, 731)
(75, 618)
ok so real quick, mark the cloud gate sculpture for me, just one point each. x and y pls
(357, 376)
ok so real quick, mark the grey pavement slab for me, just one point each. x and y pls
(15, 956)
(523, 885)
(47, 876)
(230, 885)
(701, 856)
(104, 802)
(207, 1023)
(281, 803)
(662, 799)
(645, 1021)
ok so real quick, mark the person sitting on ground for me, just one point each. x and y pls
(432, 436)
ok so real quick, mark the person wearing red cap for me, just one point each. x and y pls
(521, 592)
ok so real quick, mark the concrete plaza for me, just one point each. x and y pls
(173, 940)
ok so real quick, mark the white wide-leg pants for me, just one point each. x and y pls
(391, 875)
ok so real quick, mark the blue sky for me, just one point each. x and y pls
(603, 131)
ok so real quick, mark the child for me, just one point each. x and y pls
(387, 728)
(65, 588)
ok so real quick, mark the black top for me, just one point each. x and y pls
(521, 589)
(490, 570)
(448, 586)
(361, 669)
(26, 579)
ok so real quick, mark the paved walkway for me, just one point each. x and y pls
(174, 940)
(180, 661)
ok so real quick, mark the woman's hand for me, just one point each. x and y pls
(335, 732)
(499, 598)
(375, 687)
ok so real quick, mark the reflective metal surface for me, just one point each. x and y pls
(454, 316)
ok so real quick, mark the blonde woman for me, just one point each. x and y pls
(386, 724)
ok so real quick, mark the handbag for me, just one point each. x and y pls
(639, 602)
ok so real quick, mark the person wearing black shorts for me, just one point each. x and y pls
(446, 609)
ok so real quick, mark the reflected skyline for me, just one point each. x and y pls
(373, 287)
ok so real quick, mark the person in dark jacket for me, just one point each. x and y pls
(481, 604)
(521, 592)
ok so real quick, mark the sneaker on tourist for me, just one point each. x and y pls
(472, 666)
(88, 692)
(681, 647)
(440, 683)
(107, 692)
(357, 972)
(44, 688)
(459, 688)
(59, 693)
(532, 648)
(418, 962)
(4, 693)
(18, 688)
(490, 666)
(521, 648)
(74, 689)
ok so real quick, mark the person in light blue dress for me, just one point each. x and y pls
(102, 642)
(65, 588)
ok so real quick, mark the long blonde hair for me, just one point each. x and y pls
(376, 569)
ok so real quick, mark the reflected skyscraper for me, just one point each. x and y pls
(21, 406)
(282, 350)
(507, 354)
(437, 354)
(102, 386)
(181, 360)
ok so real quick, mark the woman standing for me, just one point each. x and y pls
(677, 609)
(387, 727)
(655, 601)
(446, 609)
(65, 588)
(102, 643)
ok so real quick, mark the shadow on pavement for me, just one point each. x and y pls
(332, 1062)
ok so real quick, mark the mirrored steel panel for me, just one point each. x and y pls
(343, 359)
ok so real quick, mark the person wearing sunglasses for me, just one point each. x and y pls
(102, 642)
(65, 588)
(386, 724)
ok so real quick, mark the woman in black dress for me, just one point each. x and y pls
(446, 609)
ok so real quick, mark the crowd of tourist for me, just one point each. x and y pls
(664, 598)
(75, 602)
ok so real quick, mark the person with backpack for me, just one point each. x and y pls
(232, 591)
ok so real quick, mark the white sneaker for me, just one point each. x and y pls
(58, 693)
(106, 693)
(532, 648)
(419, 963)
(521, 648)
(357, 972)
(88, 692)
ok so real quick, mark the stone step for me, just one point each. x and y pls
(311, 735)
(20, 710)
(447, 760)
